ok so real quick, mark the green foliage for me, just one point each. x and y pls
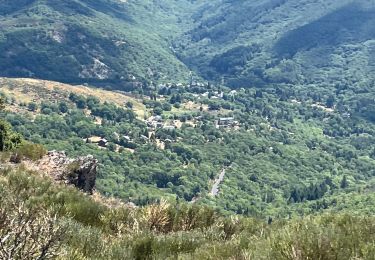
(129, 48)
(2, 103)
(296, 147)
(288, 155)
(8, 139)
(32, 106)
(277, 42)
(63, 107)
(280, 42)
(91, 229)
(27, 150)
(303, 143)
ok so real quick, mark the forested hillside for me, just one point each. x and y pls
(102, 41)
(278, 41)
(226, 129)
(40, 217)
(248, 43)
(296, 135)
(284, 152)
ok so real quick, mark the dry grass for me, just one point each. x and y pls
(156, 216)
(27, 90)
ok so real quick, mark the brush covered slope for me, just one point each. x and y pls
(40, 219)
(260, 42)
(284, 152)
(286, 149)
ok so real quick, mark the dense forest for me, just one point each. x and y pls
(299, 143)
(298, 42)
(40, 219)
(287, 151)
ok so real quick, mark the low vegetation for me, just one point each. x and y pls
(54, 220)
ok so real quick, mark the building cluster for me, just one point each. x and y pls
(100, 141)
(226, 122)
(157, 122)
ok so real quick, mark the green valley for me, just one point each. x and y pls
(286, 153)
(185, 129)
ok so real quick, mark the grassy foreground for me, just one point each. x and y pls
(58, 221)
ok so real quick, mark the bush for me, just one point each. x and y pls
(30, 151)
(8, 139)
(28, 233)
(32, 106)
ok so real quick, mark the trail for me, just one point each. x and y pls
(215, 187)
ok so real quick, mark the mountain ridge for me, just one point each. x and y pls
(115, 43)
(276, 27)
(94, 41)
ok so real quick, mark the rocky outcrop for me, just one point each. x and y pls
(83, 175)
(80, 172)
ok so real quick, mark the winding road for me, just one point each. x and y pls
(215, 187)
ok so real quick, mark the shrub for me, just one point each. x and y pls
(29, 151)
(32, 106)
(8, 139)
(27, 233)
(156, 217)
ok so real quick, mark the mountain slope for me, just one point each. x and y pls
(60, 222)
(247, 42)
(282, 41)
(84, 40)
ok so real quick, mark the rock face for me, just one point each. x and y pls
(80, 172)
(84, 175)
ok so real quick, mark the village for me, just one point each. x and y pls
(157, 122)
(189, 113)
(170, 122)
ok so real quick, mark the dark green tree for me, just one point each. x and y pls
(344, 182)
(63, 107)
(32, 106)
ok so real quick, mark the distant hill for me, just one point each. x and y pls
(282, 41)
(100, 41)
(32, 90)
(248, 43)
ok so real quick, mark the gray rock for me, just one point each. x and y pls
(80, 172)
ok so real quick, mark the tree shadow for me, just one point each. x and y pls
(89, 7)
(111, 8)
(351, 24)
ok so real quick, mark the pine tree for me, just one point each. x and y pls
(344, 183)
(2, 103)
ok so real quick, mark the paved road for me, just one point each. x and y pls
(215, 188)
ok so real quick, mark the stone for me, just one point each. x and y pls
(80, 172)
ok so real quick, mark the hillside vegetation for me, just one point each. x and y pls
(38, 91)
(240, 129)
(287, 152)
(103, 41)
(125, 44)
(277, 41)
(41, 219)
